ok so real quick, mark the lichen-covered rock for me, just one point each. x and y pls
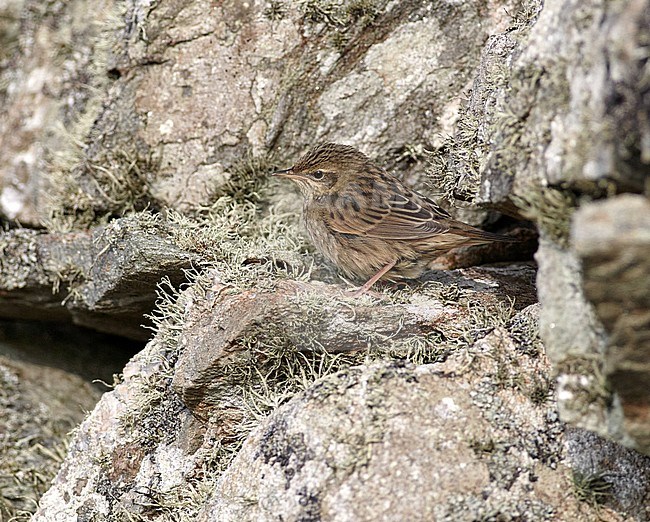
(437, 442)
(316, 317)
(261, 373)
(258, 77)
(167, 104)
(447, 417)
(565, 102)
(105, 278)
(574, 338)
(558, 116)
(52, 65)
(39, 406)
(603, 470)
(612, 241)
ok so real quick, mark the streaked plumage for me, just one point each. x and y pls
(366, 221)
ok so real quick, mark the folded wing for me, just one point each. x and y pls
(394, 213)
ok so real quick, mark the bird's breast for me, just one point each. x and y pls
(319, 234)
(357, 255)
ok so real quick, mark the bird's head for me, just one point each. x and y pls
(324, 168)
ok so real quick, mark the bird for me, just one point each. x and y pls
(370, 224)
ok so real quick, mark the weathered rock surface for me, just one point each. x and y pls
(165, 104)
(604, 469)
(435, 442)
(550, 117)
(334, 325)
(39, 406)
(612, 240)
(105, 278)
(558, 116)
(327, 407)
(469, 431)
(415, 443)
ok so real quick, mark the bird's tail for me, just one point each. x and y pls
(478, 236)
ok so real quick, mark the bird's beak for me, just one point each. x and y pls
(286, 173)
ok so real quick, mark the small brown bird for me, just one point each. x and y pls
(367, 222)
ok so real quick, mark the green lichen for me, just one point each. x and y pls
(248, 178)
(87, 186)
(549, 208)
(594, 488)
(344, 19)
(89, 192)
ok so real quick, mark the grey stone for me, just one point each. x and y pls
(105, 279)
(612, 240)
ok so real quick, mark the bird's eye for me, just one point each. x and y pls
(319, 174)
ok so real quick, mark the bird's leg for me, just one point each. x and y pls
(373, 280)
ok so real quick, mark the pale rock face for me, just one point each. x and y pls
(558, 110)
(196, 84)
(391, 72)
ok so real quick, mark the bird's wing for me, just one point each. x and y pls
(396, 213)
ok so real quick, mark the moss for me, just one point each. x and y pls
(87, 192)
(594, 488)
(590, 389)
(340, 40)
(246, 252)
(87, 185)
(526, 16)
(494, 134)
(275, 10)
(550, 209)
(541, 391)
(524, 330)
(248, 178)
(344, 19)
(329, 12)
(33, 444)
(365, 11)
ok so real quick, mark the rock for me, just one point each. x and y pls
(612, 240)
(574, 339)
(111, 274)
(557, 118)
(436, 442)
(39, 406)
(257, 375)
(316, 317)
(415, 444)
(604, 470)
(542, 118)
(234, 411)
(183, 98)
(53, 61)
